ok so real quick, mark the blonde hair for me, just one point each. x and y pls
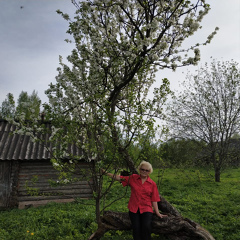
(149, 166)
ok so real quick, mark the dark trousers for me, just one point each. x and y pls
(141, 225)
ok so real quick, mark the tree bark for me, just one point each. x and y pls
(174, 226)
(217, 174)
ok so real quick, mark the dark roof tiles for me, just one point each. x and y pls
(20, 147)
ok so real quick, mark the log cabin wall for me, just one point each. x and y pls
(35, 188)
(25, 171)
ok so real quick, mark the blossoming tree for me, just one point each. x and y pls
(103, 98)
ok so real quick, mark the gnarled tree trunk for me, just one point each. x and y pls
(174, 226)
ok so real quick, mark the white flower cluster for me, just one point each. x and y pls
(119, 47)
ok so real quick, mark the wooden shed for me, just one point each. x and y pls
(26, 172)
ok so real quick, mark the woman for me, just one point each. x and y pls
(144, 196)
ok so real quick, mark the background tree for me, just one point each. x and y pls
(101, 101)
(181, 152)
(7, 109)
(209, 110)
(28, 105)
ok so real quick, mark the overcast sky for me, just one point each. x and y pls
(32, 37)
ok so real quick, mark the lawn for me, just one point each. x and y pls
(215, 206)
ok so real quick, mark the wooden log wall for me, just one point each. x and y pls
(5, 183)
(35, 189)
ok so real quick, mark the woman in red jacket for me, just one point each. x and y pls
(144, 197)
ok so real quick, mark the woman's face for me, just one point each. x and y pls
(144, 170)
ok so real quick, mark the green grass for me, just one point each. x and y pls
(215, 206)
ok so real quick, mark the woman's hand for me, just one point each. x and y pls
(161, 215)
(155, 206)
(111, 175)
(103, 171)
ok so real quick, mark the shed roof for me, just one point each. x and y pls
(20, 147)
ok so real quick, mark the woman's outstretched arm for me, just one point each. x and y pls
(111, 175)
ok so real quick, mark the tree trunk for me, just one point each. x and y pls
(217, 174)
(98, 216)
(174, 227)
